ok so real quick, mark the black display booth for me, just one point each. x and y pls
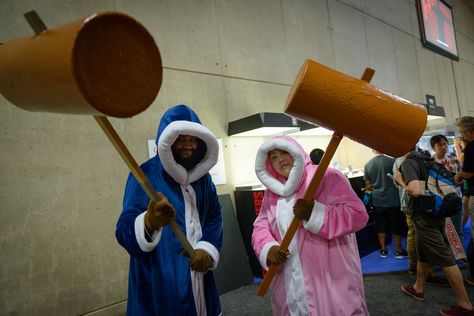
(248, 203)
(233, 270)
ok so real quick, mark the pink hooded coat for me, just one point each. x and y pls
(322, 276)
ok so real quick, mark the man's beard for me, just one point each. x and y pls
(189, 162)
(196, 156)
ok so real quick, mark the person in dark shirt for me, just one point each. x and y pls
(316, 155)
(466, 128)
(432, 247)
(388, 215)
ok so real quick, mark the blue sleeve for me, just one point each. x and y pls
(212, 232)
(135, 202)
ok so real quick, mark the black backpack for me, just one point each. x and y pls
(441, 196)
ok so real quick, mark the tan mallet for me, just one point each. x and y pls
(353, 108)
(105, 64)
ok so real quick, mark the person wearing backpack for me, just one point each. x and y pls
(466, 128)
(439, 143)
(433, 279)
(431, 244)
(404, 198)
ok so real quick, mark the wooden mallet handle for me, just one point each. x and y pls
(140, 176)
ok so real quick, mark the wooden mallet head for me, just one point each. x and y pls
(356, 109)
(105, 64)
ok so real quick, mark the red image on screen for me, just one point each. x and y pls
(436, 19)
(257, 201)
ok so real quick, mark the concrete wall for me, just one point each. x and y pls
(61, 182)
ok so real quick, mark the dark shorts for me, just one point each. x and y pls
(431, 244)
(390, 219)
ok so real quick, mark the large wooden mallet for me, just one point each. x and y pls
(105, 64)
(356, 109)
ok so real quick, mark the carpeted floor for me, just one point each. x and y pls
(383, 296)
(383, 279)
(372, 263)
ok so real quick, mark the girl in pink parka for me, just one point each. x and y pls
(320, 274)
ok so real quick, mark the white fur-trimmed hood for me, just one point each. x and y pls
(270, 178)
(177, 171)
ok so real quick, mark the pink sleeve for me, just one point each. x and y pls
(344, 212)
(262, 238)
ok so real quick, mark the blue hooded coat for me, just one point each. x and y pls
(160, 281)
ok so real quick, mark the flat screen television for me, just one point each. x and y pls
(437, 27)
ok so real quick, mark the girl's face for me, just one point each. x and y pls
(281, 161)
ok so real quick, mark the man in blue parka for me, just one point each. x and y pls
(161, 280)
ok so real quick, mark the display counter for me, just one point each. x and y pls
(366, 237)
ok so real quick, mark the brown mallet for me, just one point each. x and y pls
(350, 107)
(105, 64)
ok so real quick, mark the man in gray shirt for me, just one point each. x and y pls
(388, 216)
